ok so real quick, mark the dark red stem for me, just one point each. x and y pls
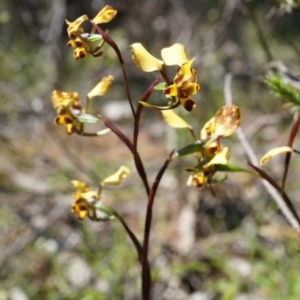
(112, 43)
(132, 236)
(288, 155)
(146, 272)
(285, 197)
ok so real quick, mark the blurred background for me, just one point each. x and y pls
(235, 245)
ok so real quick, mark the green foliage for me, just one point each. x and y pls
(283, 90)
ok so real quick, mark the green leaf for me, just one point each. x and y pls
(87, 118)
(282, 90)
(161, 86)
(233, 168)
(192, 148)
(108, 212)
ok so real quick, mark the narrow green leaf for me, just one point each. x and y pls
(108, 212)
(196, 147)
(87, 118)
(161, 86)
(233, 168)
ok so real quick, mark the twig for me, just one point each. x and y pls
(253, 159)
(259, 31)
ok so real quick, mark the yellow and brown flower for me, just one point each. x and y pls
(68, 108)
(86, 202)
(88, 42)
(185, 80)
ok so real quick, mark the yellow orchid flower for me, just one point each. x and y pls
(184, 85)
(68, 108)
(83, 199)
(185, 80)
(86, 201)
(211, 151)
(88, 42)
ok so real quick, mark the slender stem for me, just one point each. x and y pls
(111, 43)
(88, 134)
(286, 199)
(191, 129)
(118, 132)
(146, 272)
(288, 155)
(137, 159)
(132, 236)
(165, 75)
(144, 98)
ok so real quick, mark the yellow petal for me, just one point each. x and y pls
(186, 73)
(208, 129)
(90, 195)
(144, 60)
(171, 90)
(174, 55)
(79, 52)
(70, 128)
(220, 158)
(190, 88)
(173, 120)
(102, 87)
(64, 99)
(228, 119)
(80, 186)
(270, 154)
(74, 26)
(105, 15)
(116, 178)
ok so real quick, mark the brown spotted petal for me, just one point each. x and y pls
(227, 120)
(186, 74)
(79, 52)
(208, 129)
(200, 178)
(80, 208)
(64, 99)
